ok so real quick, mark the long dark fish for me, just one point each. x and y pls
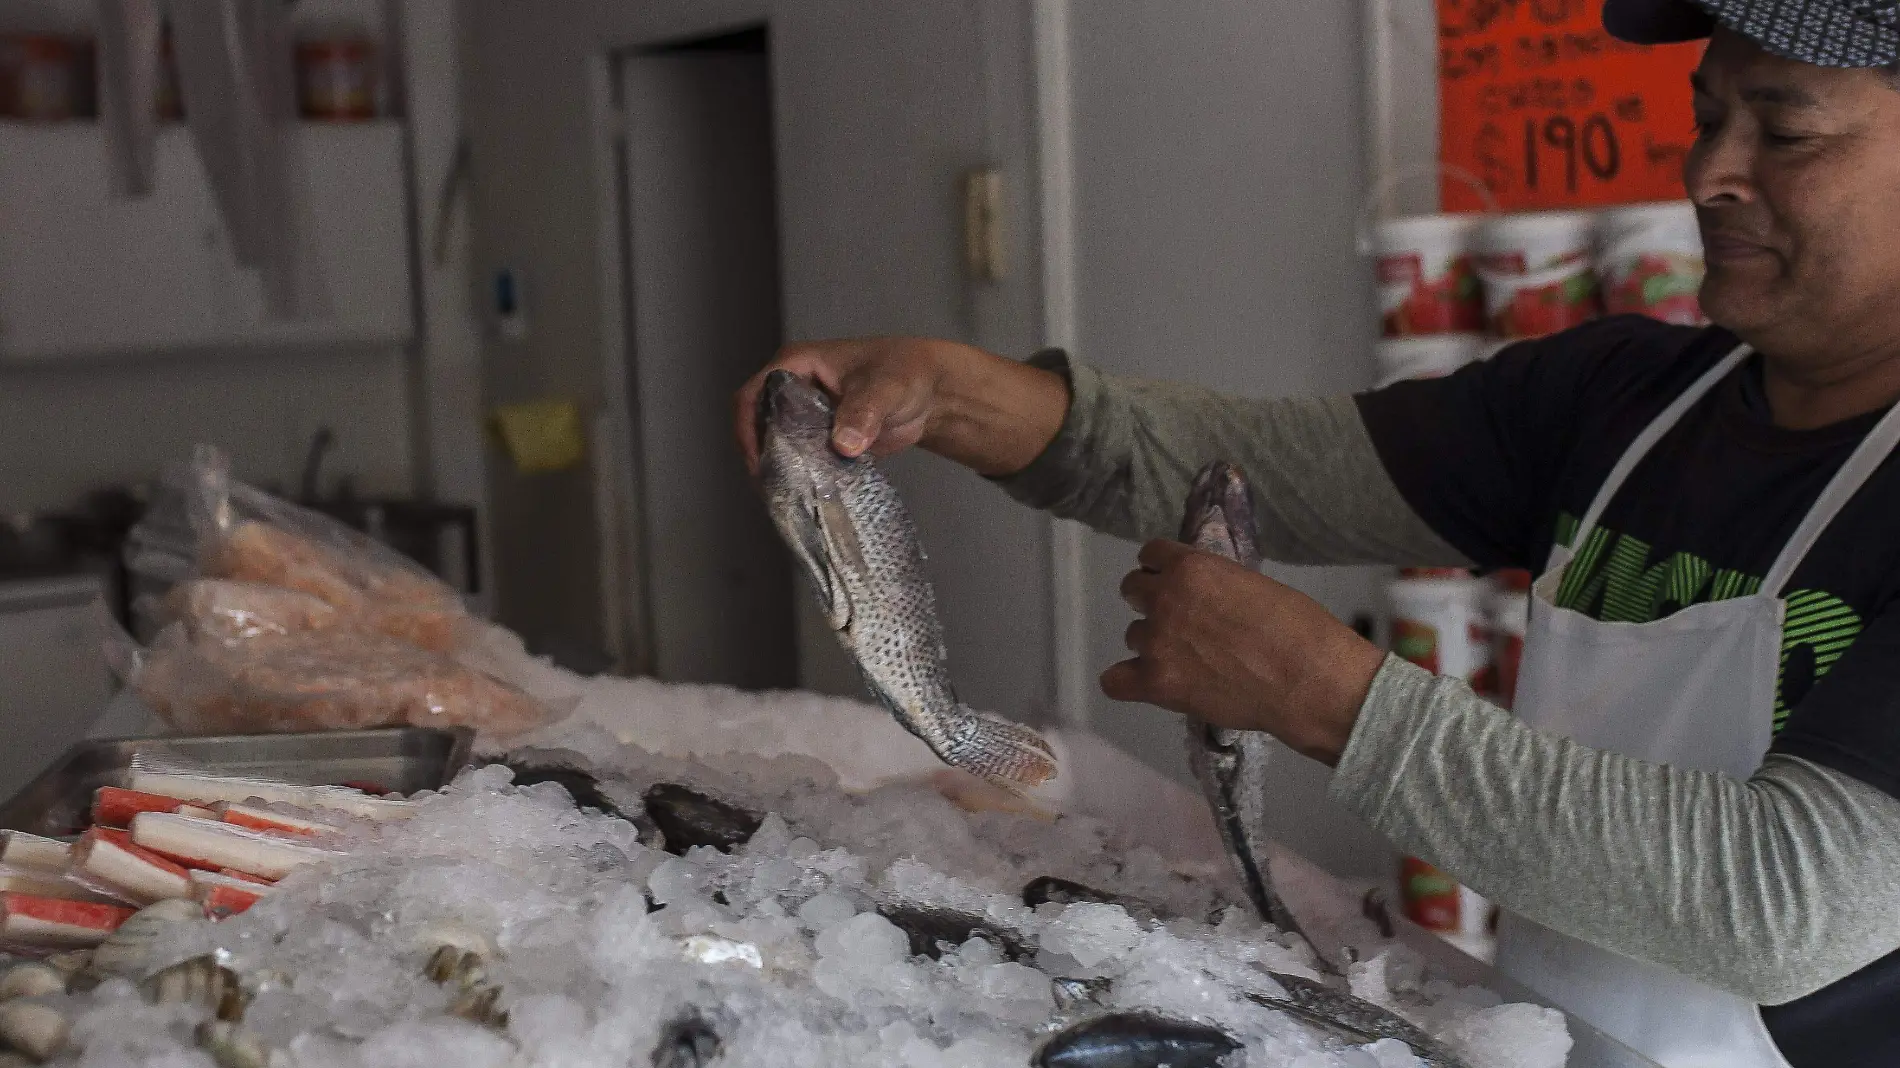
(1136, 1040)
(846, 524)
(1354, 1019)
(1231, 765)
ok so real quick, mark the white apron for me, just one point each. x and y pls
(1695, 690)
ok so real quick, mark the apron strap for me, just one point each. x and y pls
(1866, 459)
(1652, 434)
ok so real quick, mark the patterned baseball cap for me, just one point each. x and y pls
(1826, 33)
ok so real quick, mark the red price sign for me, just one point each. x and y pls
(1550, 111)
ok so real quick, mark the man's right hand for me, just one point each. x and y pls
(988, 413)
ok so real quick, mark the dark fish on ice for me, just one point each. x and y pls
(1231, 765)
(610, 797)
(1050, 890)
(687, 1041)
(1354, 1019)
(930, 929)
(688, 818)
(849, 529)
(1136, 1040)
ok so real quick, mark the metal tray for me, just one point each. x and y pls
(403, 761)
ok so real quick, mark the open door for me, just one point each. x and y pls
(704, 313)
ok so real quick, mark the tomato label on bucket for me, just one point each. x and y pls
(1430, 896)
(1416, 642)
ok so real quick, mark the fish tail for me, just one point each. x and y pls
(1006, 753)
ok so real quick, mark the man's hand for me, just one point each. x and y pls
(988, 413)
(1231, 647)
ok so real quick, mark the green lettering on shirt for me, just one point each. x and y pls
(1611, 579)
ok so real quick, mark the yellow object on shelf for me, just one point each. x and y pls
(542, 436)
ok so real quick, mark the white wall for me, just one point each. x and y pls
(1219, 164)
(64, 431)
(879, 109)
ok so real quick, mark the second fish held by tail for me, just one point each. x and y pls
(1231, 765)
(846, 524)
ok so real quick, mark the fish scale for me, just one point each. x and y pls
(1231, 765)
(848, 527)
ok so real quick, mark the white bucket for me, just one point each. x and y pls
(1441, 625)
(1649, 258)
(1537, 272)
(1426, 281)
(1426, 357)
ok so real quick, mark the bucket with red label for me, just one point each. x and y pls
(1510, 612)
(1441, 625)
(1426, 281)
(1402, 358)
(1649, 259)
(336, 77)
(43, 77)
(1538, 271)
(1437, 902)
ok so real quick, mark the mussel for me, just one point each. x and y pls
(689, 1040)
(1135, 1040)
(688, 818)
(930, 929)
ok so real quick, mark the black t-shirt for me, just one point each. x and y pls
(1504, 457)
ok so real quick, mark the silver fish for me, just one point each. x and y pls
(846, 524)
(1231, 765)
(1354, 1019)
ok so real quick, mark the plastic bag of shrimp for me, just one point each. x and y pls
(237, 558)
(318, 679)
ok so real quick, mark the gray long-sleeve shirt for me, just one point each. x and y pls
(1771, 887)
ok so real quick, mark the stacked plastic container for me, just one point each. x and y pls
(1456, 288)
(1460, 625)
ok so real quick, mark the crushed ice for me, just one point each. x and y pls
(606, 951)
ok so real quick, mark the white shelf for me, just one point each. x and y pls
(84, 275)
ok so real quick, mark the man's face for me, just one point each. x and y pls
(1795, 174)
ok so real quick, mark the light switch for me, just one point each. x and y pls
(983, 225)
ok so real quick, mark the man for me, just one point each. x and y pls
(1692, 821)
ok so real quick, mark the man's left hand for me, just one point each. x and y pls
(1229, 646)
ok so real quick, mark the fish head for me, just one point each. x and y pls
(805, 482)
(794, 422)
(797, 463)
(1220, 514)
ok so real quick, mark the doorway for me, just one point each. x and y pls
(703, 312)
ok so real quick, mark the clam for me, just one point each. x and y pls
(199, 981)
(451, 965)
(480, 1004)
(31, 981)
(232, 1046)
(35, 1029)
(128, 950)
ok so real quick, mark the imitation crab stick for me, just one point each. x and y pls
(206, 789)
(114, 807)
(205, 844)
(45, 921)
(22, 850)
(110, 858)
(46, 884)
(225, 895)
(253, 818)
